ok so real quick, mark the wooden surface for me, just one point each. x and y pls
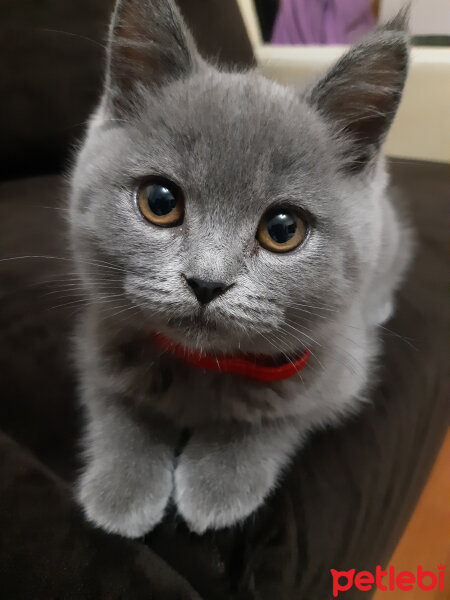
(426, 540)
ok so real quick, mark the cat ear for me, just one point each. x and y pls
(361, 92)
(149, 45)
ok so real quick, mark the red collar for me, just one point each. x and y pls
(230, 364)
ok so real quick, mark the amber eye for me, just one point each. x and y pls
(281, 230)
(161, 203)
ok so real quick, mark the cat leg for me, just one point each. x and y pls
(226, 472)
(127, 481)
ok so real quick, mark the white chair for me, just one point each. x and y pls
(422, 127)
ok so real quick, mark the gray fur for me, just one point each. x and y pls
(236, 144)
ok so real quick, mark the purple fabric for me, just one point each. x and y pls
(322, 21)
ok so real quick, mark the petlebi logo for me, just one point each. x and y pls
(391, 580)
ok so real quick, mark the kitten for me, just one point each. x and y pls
(237, 250)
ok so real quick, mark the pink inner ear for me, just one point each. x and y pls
(361, 93)
(149, 45)
(131, 55)
(367, 104)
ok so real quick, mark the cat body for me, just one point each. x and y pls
(236, 146)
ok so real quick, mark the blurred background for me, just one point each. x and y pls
(295, 40)
(340, 21)
(51, 59)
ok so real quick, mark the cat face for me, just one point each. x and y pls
(230, 212)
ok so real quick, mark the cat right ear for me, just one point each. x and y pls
(360, 94)
(149, 46)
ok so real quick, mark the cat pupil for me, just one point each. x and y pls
(161, 200)
(281, 228)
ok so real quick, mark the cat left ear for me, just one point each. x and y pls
(361, 93)
(149, 46)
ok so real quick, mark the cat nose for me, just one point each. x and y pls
(205, 291)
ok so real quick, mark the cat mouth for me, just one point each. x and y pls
(255, 366)
(197, 321)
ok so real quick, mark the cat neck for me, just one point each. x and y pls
(253, 366)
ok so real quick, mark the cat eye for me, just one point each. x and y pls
(161, 202)
(281, 230)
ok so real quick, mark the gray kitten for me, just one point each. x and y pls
(238, 219)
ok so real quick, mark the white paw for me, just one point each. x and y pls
(122, 503)
(210, 497)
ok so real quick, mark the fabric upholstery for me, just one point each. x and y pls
(343, 503)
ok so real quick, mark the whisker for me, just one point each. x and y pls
(346, 352)
(334, 332)
(301, 332)
(100, 300)
(109, 282)
(302, 341)
(308, 312)
(284, 354)
(73, 35)
(325, 308)
(407, 341)
(60, 208)
(70, 293)
(125, 309)
(97, 263)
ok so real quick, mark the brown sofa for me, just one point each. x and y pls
(347, 497)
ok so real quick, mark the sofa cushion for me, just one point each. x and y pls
(343, 503)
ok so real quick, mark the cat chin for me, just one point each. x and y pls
(200, 335)
(207, 342)
(223, 342)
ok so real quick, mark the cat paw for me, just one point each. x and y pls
(122, 503)
(209, 495)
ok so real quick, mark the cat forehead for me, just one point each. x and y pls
(239, 105)
(235, 121)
